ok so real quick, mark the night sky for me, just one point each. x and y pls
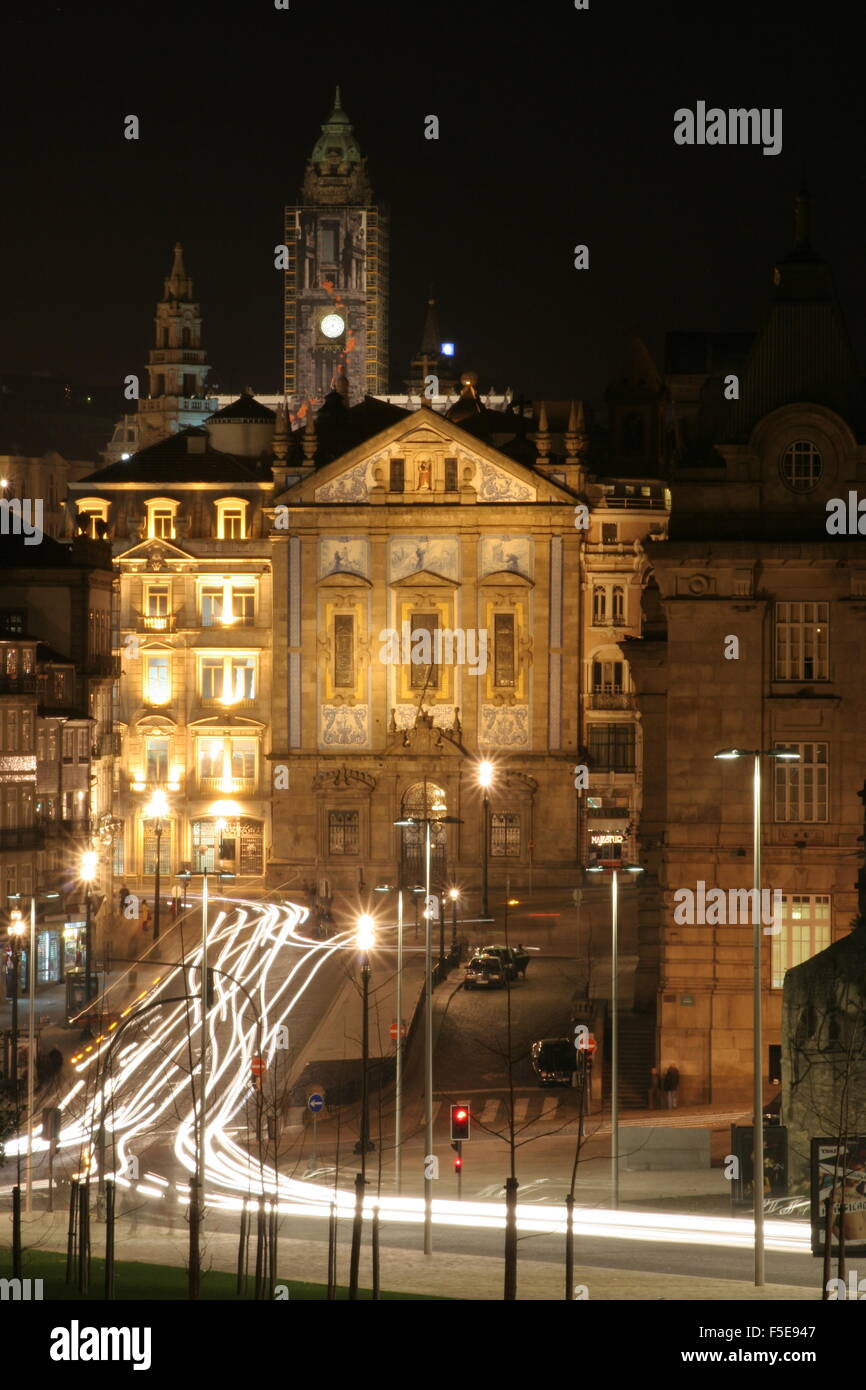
(556, 128)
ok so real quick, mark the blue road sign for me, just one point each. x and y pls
(316, 1102)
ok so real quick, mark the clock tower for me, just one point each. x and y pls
(336, 285)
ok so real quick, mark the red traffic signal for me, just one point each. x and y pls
(459, 1122)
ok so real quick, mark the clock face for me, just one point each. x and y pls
(332, 325)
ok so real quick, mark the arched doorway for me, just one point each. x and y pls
(422, 800)
(241, 837)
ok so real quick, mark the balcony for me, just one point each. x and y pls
(613, 699)
(19, 685)
(228, 786)
(16, 837)
(156, 622)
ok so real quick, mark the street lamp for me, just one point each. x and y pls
(614, 868)
(365, 938)
(87, 874)
(16, 931)
(485, 782)
(398, 1100)
(427, 821)
(454, 895)
(155, 810)
(731, 755)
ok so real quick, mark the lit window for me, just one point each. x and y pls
(802, 641)
(211, 605)
(244, 605)
(801, 786)
(161, 513)
(505, 835)
(95, 510)
(805, 931)
(157, 759)
(231, 519)
(157, 680)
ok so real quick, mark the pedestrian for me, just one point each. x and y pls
(655, 1098)
(669, 1085)
(124, 898)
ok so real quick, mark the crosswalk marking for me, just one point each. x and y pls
(488, 1114)
(521, 1105)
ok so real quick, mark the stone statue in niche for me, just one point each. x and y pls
(424, 475)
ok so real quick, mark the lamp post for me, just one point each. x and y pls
(485, 782)
(614, 868)
(732, 755)
(398, 1079)
(155, 810)
(87, 873)
(454, 895)
(427, 821)
(16, 931)
(364, 940)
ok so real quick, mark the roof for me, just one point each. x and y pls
(340, 429)
(185, 457)
(80, 553)
(246, 407)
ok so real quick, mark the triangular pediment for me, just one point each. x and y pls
(153, 551)
(422, 441)
(424, 579)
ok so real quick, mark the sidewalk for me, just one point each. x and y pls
(464, 1277)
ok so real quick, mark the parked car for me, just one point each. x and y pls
(515, 962)
(554, 1061)
(484, 972)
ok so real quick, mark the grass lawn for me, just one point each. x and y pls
(140, 1282)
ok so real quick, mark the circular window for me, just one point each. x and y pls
(801, 466)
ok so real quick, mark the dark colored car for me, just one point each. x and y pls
(514, 962)
(484, 972)
(554, 1061)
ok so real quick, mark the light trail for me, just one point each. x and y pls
(152, 1080)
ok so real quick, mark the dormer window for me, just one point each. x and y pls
(231, 519)
(161, 513)
(95, 509)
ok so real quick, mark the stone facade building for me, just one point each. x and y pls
(753, 639)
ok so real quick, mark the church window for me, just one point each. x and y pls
(801, 466)
(421, 674)
(398, 475)
(504, 663)
(450, 475)
(344, 651)
(343, 832)
(505, 835)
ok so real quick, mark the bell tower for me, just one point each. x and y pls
(336, 281)
(177, 366)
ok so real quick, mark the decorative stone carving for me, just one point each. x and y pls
(344, 725)
(343, 779)
(350, 486)
(499, 486)
(505, 726)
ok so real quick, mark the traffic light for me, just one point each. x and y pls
(459, 1122)
(458, 1162)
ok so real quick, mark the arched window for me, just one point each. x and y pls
(599, 604)
(618, 607)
